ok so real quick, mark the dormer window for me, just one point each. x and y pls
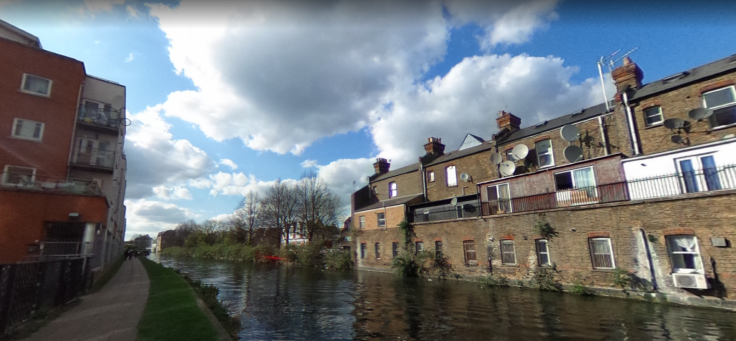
(723, 103)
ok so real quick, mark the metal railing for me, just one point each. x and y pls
(29, 287)
(427, 214)
(105, 117)
(94, 157)
(18, 181)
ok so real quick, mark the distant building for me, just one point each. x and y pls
(143, 242)
(165, 240)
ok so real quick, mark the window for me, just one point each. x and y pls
(419, 247)
(544, 153)
(576, 187)
(381, 219)
(653, 116)
(378, 250)
(36, 85)
(438, 249)
(723, 103)
(392, 190)
(685, 254)
(395, 249)
(430, 176)
(499, 197)
(94, 152)
(510, 155)
(100, 113)
(543, 253)
(361, 221)
(601, 253)
(699, 174)
(469, 250)
(362, 250)
(19, 176)
(27, 129)
(451, 176)
(508, 254)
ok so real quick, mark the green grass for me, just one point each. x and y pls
(108, 275)
(172, 312)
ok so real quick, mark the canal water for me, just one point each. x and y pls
(290, 303)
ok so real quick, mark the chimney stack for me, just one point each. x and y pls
(629, 74)
(508, 121)
(435, 146)
(381, 166)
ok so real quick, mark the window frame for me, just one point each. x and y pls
(719, 107)
(594, 196)
(454, 175)
(15, 127)
(498, 196)
(418, 247)
(395, 249)
(592, 254)
(4, 180)
(381, 219)
(504, 260)
(700, 179)
(437, 249)
(393, 190)
(23, 86)
(540, 252)
(430, 176)
(378, 250)
(698, 259)
(361, 221)
(550, 153)
(459, 212)
(659, 113)
(363, 248)
(467, 252)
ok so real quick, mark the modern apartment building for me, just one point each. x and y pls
(640, 187)
(61, 156)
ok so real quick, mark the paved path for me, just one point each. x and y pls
(112, 314)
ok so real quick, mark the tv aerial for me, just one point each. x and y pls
(610, 62)
(570, 133)
(520, 152)
(573, 153)
(507, 168)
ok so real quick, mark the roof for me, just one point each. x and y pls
(403, 170)
(461, 153)
(470, 141)
(390, 202)
(18, 31)
(686, 77)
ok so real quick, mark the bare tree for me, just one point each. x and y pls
(279, 208)
(319, 208)
(246, 218)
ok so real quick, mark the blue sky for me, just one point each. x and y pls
(279, 89)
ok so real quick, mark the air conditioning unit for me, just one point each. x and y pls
(690, 281)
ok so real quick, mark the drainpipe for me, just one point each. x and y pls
(649, 259)
(424, 180)
(630, 123)
(603, 135)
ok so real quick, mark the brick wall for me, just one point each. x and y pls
(393, 215)
(478, 166)
(676, 104)
(407, 184)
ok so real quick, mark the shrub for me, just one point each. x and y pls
(579, 289)
(621, 278)
(497, 280)
(405, 265)
(338, 260)
(546, 279)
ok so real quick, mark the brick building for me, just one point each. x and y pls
(639, 187)
(63, 169)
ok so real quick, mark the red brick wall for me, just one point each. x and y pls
(57, 112)
(22, 215)
(476, 165)
(407, 184)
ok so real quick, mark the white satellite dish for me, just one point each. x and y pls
(453, 202)
(118, 102)
(507, 168)
(496, 158)
(520, 152)
(465, 177)
(573, 153)
(570, 132)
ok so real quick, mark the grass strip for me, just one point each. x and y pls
(171, 311)
(108, 275)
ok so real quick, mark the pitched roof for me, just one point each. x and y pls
(461, 153)
(390, 202)
(687, 77)
(469, 141)
(403, 170)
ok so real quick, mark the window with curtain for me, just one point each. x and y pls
(545, 158)
(36, 85)
(723, 103)
(419, 247)
(501, 196)
(15, 175)
(684, 253)
(451, 176)
(393, 190)
(601, 253)
(543, 253)
(508, 254)
(576, 186)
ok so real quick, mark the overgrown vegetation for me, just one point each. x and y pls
(621, 278)
(338, 260)
(419, 264)
(545, 278)
(580, 289)
(208, 294)
(545, 230)
(497, 280)
(238, 252)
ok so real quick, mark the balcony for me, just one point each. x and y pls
(94, 159)
(103, 119)
(26, 182)
(467, 207)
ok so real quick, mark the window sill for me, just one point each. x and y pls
(510, 265)
(656, 125)
(603, 270)
(25, 139)
(722, 127)
(34, 93)
(543, 167)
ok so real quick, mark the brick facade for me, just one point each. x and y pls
(406, 184)
(393, 216)
(476, 165)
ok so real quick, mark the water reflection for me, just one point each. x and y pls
(287, 303)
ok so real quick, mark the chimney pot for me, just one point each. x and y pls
(435, 146)
(508, 120)
(627, 75)
(381, 166)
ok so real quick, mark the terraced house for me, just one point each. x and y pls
(640, 187)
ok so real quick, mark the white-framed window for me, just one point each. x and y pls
(653, 116)
(508, 253)
(576, 187)
(684, 254)
(723, 103)
(381, 219)
(393, 191)
(430, 176)
(451, 176)
(27, 129)
(19, 176)
(545, 157)
(543, 258)
(469, 250)
(361, 221)
(601, 253)
(419, 247)
(500, 198)
(699, 173)
(36, 85)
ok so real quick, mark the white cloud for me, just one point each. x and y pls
(222, 217)
(309, 163)
(172, 193)
(151, 217)
(346, 176)
(132, 11)
(155, 158)
(101, 5)
(130, 58)
(229, 163)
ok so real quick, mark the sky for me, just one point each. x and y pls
(227, 97)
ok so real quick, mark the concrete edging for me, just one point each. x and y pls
(222, 334)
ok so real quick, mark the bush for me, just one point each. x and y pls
(497, 280)
(338, 260)
(405, 265)
(621, 278)
(545, 279)
(579, 289)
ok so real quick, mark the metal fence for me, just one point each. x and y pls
(26, 288)
(466, 210)
(34, 182)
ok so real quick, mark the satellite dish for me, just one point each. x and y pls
(570, 132)
(496, 158)
(674, 123)
(118, 102)
(453, 202)
(520, 152)
(507, 168)
(676, 139)
(573, 153)
(700, 113)
(465, 177)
